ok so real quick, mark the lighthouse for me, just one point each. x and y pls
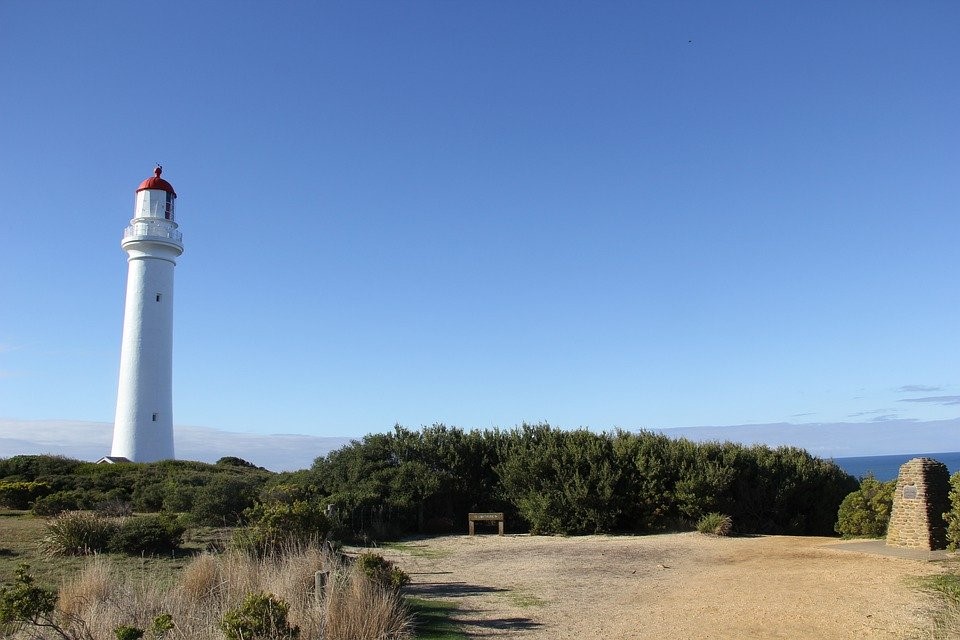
(143, 428)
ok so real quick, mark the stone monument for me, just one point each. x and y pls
(919, 502)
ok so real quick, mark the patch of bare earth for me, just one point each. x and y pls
(675, 586)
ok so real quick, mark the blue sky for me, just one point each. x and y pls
(637, 214)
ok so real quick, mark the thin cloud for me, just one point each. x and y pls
(91, 440)
(885, 418)
(802, 415)
(918, 388)
(941, 400)
(871, 412)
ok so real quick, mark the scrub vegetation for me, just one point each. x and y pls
(546, 480)
(174, 524)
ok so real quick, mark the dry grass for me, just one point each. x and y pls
(102, 597)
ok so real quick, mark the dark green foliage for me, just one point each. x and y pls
(161, 626)
(382, 571)
(233, 461)
(866, 511)
(277, 526)
(952, 517)
(124, 632)
(563, 481)
(261, 616)
(169, 485)
(543, 479)
(222, 501)
(556, 481)
(36, 467)
(389, 484)
(61, 501)
(20, 495)
(24, 602)
(148, 535)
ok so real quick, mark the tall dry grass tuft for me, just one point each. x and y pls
(200, 580)
(102, 597)
(91, 585)
(356, 607)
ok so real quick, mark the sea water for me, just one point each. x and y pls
(887, 467)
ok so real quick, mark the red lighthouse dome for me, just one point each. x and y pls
(157, 183)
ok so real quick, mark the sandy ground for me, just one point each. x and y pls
(675, 586)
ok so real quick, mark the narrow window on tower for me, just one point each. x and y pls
(155, 416)
(158, 297)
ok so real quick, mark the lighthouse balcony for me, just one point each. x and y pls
(151, 230)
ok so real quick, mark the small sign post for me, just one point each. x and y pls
(485, 517)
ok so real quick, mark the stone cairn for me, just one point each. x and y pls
(919, 502)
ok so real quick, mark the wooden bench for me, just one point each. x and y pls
(485, 517)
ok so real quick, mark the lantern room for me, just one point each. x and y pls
(155, 198)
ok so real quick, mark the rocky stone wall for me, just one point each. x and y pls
(919, 502)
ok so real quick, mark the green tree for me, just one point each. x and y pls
(222, 501)
(866, 511)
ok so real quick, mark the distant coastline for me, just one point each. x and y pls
(887, 467)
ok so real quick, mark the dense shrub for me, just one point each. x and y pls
(261, 616)
(866, 511)
(953, 516)
(20, 495)
(544, 479)
(152, 534)
(570, 482)
(33, 467)
(79, 533)
(382, 571)
(58, 502)
(222, 501)
(563, 481)
(715, 524)
(273, 527)
(233, 461)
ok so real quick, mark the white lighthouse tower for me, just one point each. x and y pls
(143, 429)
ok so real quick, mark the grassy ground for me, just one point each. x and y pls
(946, 586)
(21, 534)
(434, 619)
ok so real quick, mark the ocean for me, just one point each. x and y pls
(887, 467)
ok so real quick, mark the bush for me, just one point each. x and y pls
(716, 524)
(20, 495)
(23, 602)
(222, 501)
(154, 534)
(262, 616)
(866, 511)
(953, 516)
(79, 533)
(57, 503)
(278, 525)
(382, 571)
(123, 632)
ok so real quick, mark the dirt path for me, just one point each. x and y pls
(676, 586)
